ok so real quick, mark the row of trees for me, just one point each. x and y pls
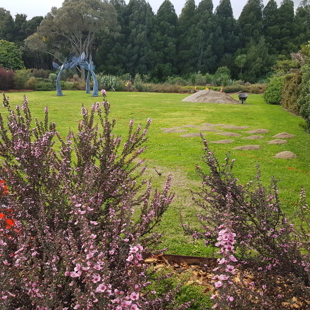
(130, 38)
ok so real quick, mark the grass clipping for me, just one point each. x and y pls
(211, 96)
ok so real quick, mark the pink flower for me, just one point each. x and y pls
(101, 288)
(230, 268)
(96, 277)
(218, 284)
(130, 258)
(223, 277)
(126, 303)
(134, 296)
(233, 258)
(230, 298)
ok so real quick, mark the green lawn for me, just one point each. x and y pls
(171, 153)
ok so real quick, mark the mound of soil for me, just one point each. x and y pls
(277, 141)
(286, 155)
(258, 131)
(211, 96)
(247, 147)
(229, 134)
(192, 134)
(223, 141)
(254, 137)
(284, 135)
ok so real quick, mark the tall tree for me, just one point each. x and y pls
(139, 19)
(164, 42)
(258, 61)
(110, 57)
(271, 28)
(206, 58)
(77, 22)
(227, 32)
(187, 38)
(286, 22)
(250, 21)
(10, 56)
(20, 25)
(302, 24)
(6, 25)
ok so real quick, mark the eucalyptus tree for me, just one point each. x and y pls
(76, 24)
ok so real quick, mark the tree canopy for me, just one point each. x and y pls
(10, 56)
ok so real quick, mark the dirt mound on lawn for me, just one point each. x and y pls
(211, 96)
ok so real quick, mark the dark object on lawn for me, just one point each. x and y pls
(242, 97)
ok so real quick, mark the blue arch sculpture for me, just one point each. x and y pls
(83, 63)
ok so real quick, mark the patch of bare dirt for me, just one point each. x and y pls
(223, 141)
(258, 131)
(254, 137)
(232, 126)
(247, 147)
(193, 134)
(174, 129)
(284, 135)
(286, 155)
(229, 134)
(277, 141)
(211, 96)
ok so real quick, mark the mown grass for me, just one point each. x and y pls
(169, 153)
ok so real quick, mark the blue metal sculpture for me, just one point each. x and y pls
(83, 63)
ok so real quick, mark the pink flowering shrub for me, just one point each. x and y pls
(247, 224)
(76, 243)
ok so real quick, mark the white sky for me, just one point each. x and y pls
(41, 7)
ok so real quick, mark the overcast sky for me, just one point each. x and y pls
(41, 7)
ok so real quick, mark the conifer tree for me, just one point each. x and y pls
(164, 42)
(139, 18)
(250, 21)
(187, 38)
(111, 49)
(6, 25)
(206, 58)
(302, 24)
(227, 32)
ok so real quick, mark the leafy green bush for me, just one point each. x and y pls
(291, 92)
(272, 95)
(21, 77)
(304, 98)
(66, 85)
(31, 83)
(40, 73)
(222, 76)
(109, 82)
(236, 88)
(176, 81)
(45, 86)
